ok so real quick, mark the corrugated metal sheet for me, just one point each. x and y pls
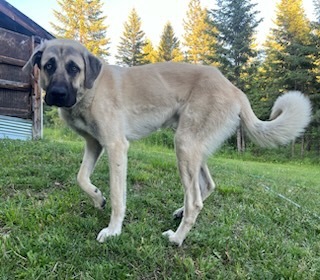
(15, 128)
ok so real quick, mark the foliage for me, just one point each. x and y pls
(150, 53)
(83, 21)
(225, 37)
(292, 52)
(234, 23)
(283, 154)
(197, 37)
(315, 41)
(169, 46)
(48, 225)
(132, 42)
(288, 50)
(162, 138)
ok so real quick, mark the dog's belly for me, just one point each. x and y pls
(141, 123)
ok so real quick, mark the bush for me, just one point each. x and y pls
(51, 117)
(164, 137)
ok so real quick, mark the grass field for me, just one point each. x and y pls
(262, 222)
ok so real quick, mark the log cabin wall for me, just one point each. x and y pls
(20, 94)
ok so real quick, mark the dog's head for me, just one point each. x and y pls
(67, 69)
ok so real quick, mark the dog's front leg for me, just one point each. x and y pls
(117, 154)
(92, 153)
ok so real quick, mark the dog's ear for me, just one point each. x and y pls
(34, 59)
(93, 67)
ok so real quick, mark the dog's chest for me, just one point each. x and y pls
(79, 122)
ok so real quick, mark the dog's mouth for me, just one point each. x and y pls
(60, 96)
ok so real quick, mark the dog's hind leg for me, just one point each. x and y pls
(207, 186)
(206, 183)
(189, 162)
(91, 154)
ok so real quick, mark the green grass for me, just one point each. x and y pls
(48, 225)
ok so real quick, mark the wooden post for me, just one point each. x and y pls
(37, 108)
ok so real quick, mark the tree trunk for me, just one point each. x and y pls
(292, 148)
(241, 145)
(302, 147)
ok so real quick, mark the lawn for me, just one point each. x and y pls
(262, 222)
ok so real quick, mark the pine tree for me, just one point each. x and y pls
(169, 47)
(82, 20)
(289, 50)
(291, 55)
(315, 37)
(132, 42)
(235, 22)
(314, 130)
(150, 54)
(197, 39)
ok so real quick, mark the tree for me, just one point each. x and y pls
(197, 39)
(314, 130)
(233, 24)
(150, 54)
(289, 49)
(292, 50)
(315, 37)
(169, 47)
(132, 42)
(82, 20)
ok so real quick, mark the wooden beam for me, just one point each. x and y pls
(14, 85)
(12, 61)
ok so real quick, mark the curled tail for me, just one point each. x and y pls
(290, 115)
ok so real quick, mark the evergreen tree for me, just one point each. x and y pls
(235, 22)
(82, 20)
(197, 39)
(289, 50)
(291, 57)
(169, 47)
(315, 37)
(314, 130)
(132, 42)
(150, 54)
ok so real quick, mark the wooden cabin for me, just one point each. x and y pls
(20, 95)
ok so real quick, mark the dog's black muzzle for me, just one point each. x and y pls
(60, 95)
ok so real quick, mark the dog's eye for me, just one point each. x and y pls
(49, 67)
(73, 69)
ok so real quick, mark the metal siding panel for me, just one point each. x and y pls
(15, 128)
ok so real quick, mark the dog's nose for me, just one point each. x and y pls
(58, 91)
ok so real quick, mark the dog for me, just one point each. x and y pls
(110, 105)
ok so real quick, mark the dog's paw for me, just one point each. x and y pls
(105, 233)
(178, 214)
(171, 235)
(100, 204)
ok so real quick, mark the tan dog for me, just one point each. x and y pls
(109, 106)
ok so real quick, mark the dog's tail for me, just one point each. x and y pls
(290, 115)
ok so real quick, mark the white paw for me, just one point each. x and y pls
(171, 235)
(100, 204)
(105, 233)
